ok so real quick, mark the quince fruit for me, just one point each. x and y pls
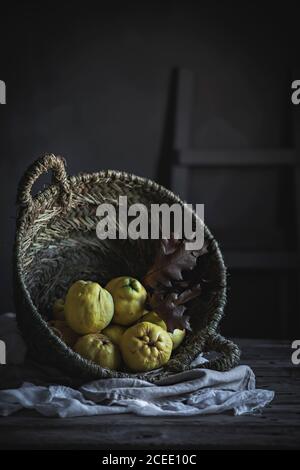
(153, 317)
(129, 298)
(88, 307)
(63, 331)
(59, 309)
(177, 337)
(146, 346)
(114, 333)
(97, 348)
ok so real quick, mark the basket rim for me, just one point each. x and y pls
(52, 191)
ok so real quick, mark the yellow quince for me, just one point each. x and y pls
(59, 309)
(114, 333)
(153, 317)
(99, 349)
(146, 346)
(88, 307)
(177, 337)
(129, 298)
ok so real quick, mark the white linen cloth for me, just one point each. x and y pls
(194, 392)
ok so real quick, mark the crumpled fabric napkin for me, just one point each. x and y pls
(194, 392)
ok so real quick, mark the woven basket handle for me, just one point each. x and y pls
(228, 357)
(229, 353)
(35, 170)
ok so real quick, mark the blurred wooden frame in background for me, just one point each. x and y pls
(188, 158)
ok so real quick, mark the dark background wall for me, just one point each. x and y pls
(92, 85)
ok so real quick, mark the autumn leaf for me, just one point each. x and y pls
(171, 261)
(170, 307)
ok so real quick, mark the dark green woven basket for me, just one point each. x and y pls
(56, 244)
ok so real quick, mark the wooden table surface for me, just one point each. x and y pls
(278, 426)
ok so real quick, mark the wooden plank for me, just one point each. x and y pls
(184, 109)
(256, 344)
(180, 181)
(132, 432)
(280, 260)
(278, 427)
(238, 157)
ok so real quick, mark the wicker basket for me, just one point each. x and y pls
(56, 244)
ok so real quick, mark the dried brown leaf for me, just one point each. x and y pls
(170, 262)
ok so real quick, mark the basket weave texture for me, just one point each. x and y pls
(56, 244)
